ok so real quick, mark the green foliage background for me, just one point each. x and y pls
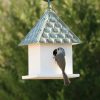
(17, 17)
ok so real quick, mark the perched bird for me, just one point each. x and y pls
(59, 55)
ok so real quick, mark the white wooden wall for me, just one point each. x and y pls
(41, 59)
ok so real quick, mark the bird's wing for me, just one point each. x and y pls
(60, 59)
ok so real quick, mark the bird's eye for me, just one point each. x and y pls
(55, 52)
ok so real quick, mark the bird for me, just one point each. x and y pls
(59, 55)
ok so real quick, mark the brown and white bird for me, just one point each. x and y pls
(59, 55)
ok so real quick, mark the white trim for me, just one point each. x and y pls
(50, 77)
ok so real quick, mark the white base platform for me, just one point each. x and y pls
(49, 76)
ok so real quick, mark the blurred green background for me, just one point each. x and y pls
(17, 17)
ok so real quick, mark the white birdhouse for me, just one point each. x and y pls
(48, 34)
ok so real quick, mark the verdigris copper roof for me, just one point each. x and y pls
(50, 29)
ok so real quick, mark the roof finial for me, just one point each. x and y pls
(49, 3)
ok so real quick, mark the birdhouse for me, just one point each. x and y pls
(49, 33)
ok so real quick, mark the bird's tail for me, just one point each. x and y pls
(66, 79)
